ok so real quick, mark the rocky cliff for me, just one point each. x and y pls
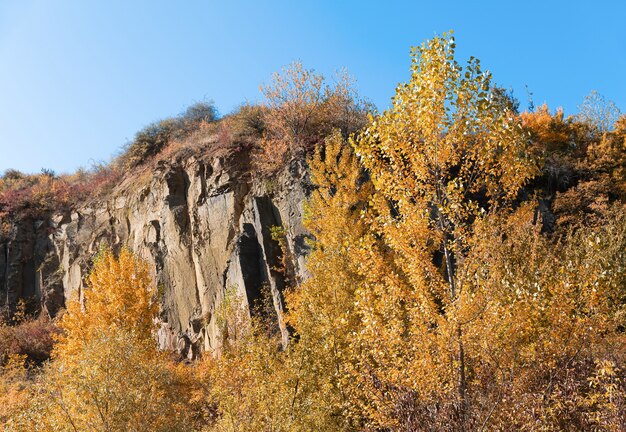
(203, 223)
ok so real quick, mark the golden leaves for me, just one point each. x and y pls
(120, 295)
(106, 372)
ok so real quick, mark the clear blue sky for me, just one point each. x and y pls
(79, 78)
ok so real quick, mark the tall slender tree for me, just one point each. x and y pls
(448, 152)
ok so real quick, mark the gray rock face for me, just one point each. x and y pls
(204, 226)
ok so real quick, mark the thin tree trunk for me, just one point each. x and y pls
(462, 379)
(462, 385)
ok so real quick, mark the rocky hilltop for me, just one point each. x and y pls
(204, 224)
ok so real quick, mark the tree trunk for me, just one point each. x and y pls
(462, 384)
(462, 379)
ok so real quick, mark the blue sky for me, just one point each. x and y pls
(79, 78)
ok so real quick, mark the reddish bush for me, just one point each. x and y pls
(302, 109)
(36, 196)
(100, 180)
(32, 338)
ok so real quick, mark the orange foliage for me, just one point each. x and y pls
(121, 295)
(36, 196)
(106, 372)
(302, 110)
(552, 131)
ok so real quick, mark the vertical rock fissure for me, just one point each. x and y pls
(252, 265)
(269, 217)
(191, 217)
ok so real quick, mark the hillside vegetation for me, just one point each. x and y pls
(301, 109)
(468, 272)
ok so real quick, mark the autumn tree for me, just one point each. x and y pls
(302, 109)
(445, 154)
(257, 386)
(322, 309)
(106, 373)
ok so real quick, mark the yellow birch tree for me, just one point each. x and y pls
(446, 154)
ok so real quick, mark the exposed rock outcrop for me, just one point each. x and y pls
(203, 224)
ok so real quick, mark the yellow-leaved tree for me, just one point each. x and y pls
(106, 373)
(256, 385)
(446, 154)
(322, 309)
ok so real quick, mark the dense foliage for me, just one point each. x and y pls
(106, 373)
(468, 273)
(443, 297)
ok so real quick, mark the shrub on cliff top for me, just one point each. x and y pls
(199, 112)
(106, 372)
(302, 109)
(35, 196)
(151, 140)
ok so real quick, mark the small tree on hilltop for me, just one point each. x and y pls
(303, 109)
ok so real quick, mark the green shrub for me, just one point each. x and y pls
(199, 112)
(152, 139)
